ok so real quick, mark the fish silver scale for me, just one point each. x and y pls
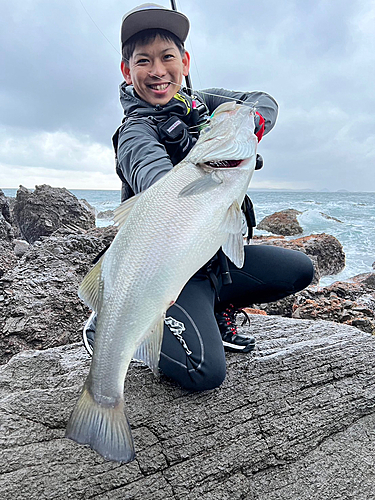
(165, 239)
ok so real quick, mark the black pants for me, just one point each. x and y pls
(192, 352)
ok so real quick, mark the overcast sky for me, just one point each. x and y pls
(59, 79)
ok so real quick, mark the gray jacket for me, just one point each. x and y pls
(141, 157)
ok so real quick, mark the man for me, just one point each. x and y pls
(160, 126)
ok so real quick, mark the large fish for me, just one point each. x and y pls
(165, 235)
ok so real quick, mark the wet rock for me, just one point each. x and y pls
(351, 303)
(41, 307)
(283, 223)
(329, 217)
(106, 214)
(299, 425)
(47, 209)
(324, 250)
(368, 279)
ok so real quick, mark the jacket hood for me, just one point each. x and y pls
(129, 101)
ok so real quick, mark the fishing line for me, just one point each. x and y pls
(160, 78)
(192, 50)
(100, 31)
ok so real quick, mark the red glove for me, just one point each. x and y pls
(259, 126)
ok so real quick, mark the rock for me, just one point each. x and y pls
(282, 307)
(252, 310)
(47, 209)
(351, 303)
(324, 250)
(7, 257)
(106, 214)
(88, 206)
(4, 207)
(40, 306)
(329, 217)
(20, 247)
(342, 302)
(8, 214)
(368, 279)
(6, 231)
(284, 223)
(300, 425)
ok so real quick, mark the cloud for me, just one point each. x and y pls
(60, 90)
(66, 160)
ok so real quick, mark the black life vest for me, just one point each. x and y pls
(178, 127)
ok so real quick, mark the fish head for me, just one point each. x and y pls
(229, 140)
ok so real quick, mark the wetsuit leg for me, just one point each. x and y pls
(269, 274)
(192, 351)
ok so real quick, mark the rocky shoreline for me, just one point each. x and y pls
(48, 240)
(347, 302)
(299, 425)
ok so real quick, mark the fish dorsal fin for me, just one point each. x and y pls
(232, 222)
(205, 183)
(234, 249)
(149, 351)
(123, 210)
(90, 287)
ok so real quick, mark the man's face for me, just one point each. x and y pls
(153, 67)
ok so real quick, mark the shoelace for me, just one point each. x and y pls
(230, 314)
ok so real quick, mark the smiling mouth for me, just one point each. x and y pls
(159, 86)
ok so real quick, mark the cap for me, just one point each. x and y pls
(150, 16)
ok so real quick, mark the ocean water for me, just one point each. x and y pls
(352, 219)
(354, 227)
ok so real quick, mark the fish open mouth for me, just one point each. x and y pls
(223, 163)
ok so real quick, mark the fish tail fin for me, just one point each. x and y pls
(104, 428)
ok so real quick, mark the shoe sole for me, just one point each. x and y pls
(238, 348)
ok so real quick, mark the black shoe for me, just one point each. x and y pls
(232, 340)
(88, 333)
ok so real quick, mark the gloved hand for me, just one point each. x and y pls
(259, 126)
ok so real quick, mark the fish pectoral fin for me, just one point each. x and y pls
(122, 211)
(232, 222)
(89, 290)
(202, 185)
(90, 287)
(149, 351)
(234, 249)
